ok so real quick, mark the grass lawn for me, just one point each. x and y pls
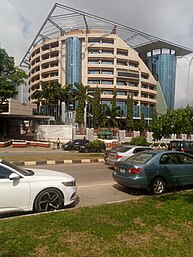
(54, 156)
(153, 226)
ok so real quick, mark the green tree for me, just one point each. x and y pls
(96, 108)
(156, 126)
(10, 76)
(142, 122)
(114, 109)
(129, 117)
(186, 116)
(110, 113)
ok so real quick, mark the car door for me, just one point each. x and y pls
(172, 170)
(14, 194)
(187, 160)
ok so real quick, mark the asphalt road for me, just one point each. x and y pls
(95, 184)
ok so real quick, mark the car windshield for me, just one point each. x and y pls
(140, 158)
(18, 169)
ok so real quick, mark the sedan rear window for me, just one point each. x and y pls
(124, 149)
(140, 158)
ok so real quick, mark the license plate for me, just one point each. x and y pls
(122, 170)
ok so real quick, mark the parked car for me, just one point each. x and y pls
(181, 145)
(93, 146)
(34, 189)
(155, 170)
(109, 151)
(74, 144)
(124, 152)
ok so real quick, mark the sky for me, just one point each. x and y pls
(170, 20)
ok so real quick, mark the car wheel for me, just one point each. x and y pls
(48, 200)
(157, 186)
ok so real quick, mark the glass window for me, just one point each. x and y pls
(93, 72)
(107, 41)
(128, 74)
(107, 52)
(144, 86)
(106, 72)
(93, 81)
(140, 158)
(185, 159)
(107, 82)
(121, 83)
(107, 92)
(7, 171)
(106, 62)
(93, 52)
(121, 92)
(93, 62)
(93, 40)
(132, 84)
(152, 87)
(122, 52)
(121, 63)
(169, 159)
(4, 173)
(144, 95)
(133, 64)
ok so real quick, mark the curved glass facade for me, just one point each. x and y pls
(163, 67)
(73, 60)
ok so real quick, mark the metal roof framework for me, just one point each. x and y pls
(62, 19)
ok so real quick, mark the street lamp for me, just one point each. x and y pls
(189, 60)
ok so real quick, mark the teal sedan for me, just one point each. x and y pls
(155, 170)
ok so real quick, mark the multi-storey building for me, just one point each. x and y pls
(98, 60)
(75, 46)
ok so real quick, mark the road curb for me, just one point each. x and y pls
(56, 162)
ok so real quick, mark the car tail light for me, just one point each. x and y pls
(134, 170)
(118, 157)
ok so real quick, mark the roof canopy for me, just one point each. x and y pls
(105, 133)
(63, 18)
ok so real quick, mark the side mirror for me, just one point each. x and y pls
(14, 176)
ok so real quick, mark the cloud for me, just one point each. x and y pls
(171, 20)
(26, 25)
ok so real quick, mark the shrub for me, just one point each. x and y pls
(156, 144)
(96, 144)
(139, 141)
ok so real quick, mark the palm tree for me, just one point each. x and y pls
(48, 93)
(81, 95)
(67, 95)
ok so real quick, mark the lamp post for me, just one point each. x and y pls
(189, 60)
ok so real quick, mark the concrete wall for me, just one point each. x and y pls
(53, 132)
(17, 108)
(68, 132)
